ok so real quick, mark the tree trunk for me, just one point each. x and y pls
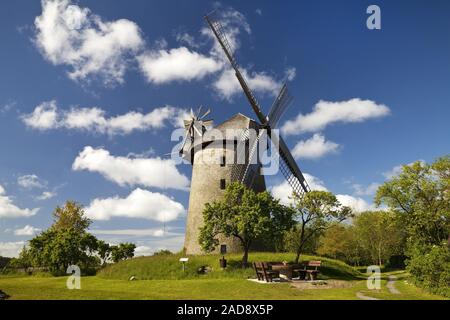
(245, 257)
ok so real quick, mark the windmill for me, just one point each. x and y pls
(202, 147)
(288, 166)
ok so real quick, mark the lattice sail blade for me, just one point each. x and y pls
(221, 36)
(289, 167)
(279, 106)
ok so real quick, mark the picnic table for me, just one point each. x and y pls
(286, 270)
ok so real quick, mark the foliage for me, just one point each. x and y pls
(123, 251)
(315, 211)
(246, 215)
(70, 216)
(430, 267)
(163, 252)
(421, 194)
(379, 236)
(67, 242)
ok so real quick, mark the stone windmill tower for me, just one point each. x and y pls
(219, 157)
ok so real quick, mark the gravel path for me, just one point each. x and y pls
(391, 285)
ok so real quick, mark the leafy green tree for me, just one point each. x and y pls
(315, 211)
(104, 251)
(421, 195)
(72, 216)
(123, 251)
(245, 215)
(338, 242)
(379, 234)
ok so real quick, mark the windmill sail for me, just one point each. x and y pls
(279, 106)
(288, 166)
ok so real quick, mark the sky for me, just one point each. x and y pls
(91, 92)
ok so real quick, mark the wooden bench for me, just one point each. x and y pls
(264, 272)
(312, 273)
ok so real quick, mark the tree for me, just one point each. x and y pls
(72, 216)
(379, 234)
(104, 251)
(68, 242)
(338, 242)
(245, 215)
(315, 211)
(123, 251)
(421, 195)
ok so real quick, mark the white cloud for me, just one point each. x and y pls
(46, 116)
(46, 195)
(139, 204)
(370, 190)
(325, 113)
(67, 34)
(149, 172)
(314, 148)
(258, 12)
(283, 191)
(26, 231)
(357, 204)
(176, 64)
(31, 181)
(11, 249)
(186, 38)
(227, 85)
(9, 210)
(131, 232)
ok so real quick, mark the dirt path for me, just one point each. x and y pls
(361, 296)
(391, 285)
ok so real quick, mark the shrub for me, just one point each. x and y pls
(430, 267)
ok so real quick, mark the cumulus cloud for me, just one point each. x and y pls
(178, 64)
(47, 116)
(9, 210)
(369, 190)
(357, 204)
(314, 148)
(73, 36)
(26, 231)
(325, 113)
(186, 38)
(67, 34)
(125, 171)
(31, 181)
(46, 195)
(140, 203)
(11, 249)
(227, 85)
(44, 116)
(283, 191)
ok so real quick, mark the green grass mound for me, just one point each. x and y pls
(168, 267)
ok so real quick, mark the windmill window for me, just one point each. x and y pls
(223, 161)
(223, 184)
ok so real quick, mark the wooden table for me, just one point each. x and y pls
(285, 271)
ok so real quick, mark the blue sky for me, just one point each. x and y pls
(90, 92)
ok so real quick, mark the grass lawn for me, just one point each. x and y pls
(162, 278)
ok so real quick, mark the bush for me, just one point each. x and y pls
(430, 267)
